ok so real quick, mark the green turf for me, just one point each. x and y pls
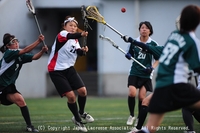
(53, 115)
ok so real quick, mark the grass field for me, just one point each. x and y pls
(52, 115)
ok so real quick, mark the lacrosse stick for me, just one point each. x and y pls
(94, 14)
(117, 47)
(85, 23)
(31, 8)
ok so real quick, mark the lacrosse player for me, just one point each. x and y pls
(156, 52)
(61, 62)
(140, 78)
(186, 112)
(10, 66)
(180, 53)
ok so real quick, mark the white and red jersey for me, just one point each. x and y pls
(63, 53)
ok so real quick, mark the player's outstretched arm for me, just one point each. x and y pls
(77, 35)
(136, 43)
(32, 46)
(39, 54)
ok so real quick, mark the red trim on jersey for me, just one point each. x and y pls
(76, 40)
(61, 38)
(52, 63)
(64, 94)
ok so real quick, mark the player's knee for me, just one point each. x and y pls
(71, 98)
(145, 102)
(82, 91)
(20, 102)
(132, 91)
(132, 94)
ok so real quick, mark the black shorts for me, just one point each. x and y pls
(66, 80)
(11, 89)
(173, 97)
(138, 82)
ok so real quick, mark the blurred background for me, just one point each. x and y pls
(105, 69)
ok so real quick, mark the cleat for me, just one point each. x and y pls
(31, 129)
(189, 132)
(134, 130)
(80, 125)
(88, 118)
(136, 122)
(130, 120)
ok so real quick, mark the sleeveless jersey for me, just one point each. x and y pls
(181, 53)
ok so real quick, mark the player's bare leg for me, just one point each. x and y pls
(18, 99)
(131, 104)
(154, 120)
(141, 96)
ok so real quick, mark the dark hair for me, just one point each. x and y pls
(148, 24)
(190, 18)
(62, 24)
(6, 39)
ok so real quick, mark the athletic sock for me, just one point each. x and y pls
(74, 109)
(188, 118)
(139, 108)
(25, 114)
(142, 116)
(196, 115)
(81, 103)
(131, 105)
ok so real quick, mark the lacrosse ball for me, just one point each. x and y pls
(123, 10)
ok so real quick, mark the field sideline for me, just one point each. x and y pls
(53, 115)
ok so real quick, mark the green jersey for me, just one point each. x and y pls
(155, 51)
(181, 53)
(143, 57)
(10, 66)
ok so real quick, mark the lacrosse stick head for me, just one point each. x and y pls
(84, 17)
(83, 11)
(30, 6)
(108, 39)
(105, 38)
(93, 13)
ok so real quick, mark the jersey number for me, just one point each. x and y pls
(141, 55)
(73, 49)
(168, 52)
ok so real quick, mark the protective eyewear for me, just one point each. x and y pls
(14, 40)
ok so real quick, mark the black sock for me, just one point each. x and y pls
(131, 105)
(188, 118)
(142, 116)
(196, 115)
(139, 107)
(25, 114)
(81, 103)
(74, 109)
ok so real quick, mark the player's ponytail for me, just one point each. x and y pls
(6, 39)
